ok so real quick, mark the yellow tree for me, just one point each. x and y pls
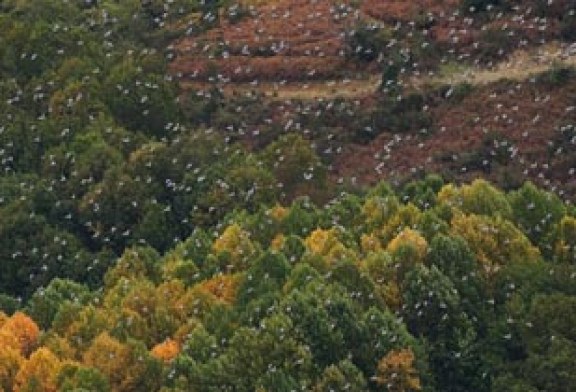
(326, 243)
(39, 372)
(377, 210)
(397, 373)
(494, 240)
(408, 249)
(235, 244)
(370, 243)
(409, 237)
(566, 243)
(10, 362)
(479, 197)
(407, 216)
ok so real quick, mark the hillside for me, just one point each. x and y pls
(284, 55)
(287, 195)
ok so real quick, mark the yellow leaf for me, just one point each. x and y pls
(41, 369)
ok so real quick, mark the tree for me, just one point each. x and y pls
(270, 356)
(343, 376)
(38, 373)
(377, 210)
(382, 270)
(140, 101)
(136, 263)
(565, 249)
(434, 310)
(80, 325)
(422, 193)
(454, 258)
(494, 241)
(74, 377)
(405, 217)
(381, 332)
(267, 274)
(479, 198)
(127, 366)
(327, 244)
(294, 164)
(10, 362)
(223, 287)
(24, 329)
(397, 373)
(235, 246)
(536, 213)
(166, 351)
(112, 208)
(53, 253)
(409, 237)
(45, 302)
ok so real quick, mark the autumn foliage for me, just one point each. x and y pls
(396, 372)
(19, 332)
(166, 351)
(395, 297)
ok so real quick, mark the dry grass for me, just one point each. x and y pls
(330, 89)
(520, 65)
(406, 10)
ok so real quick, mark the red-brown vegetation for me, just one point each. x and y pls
(292, 40)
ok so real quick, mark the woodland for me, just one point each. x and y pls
(291, 195)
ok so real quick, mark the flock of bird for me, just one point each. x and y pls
(284, 36)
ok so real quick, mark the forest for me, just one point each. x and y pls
(275, 196)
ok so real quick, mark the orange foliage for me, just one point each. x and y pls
(278, 212)
(166, 351)
(24, 329)
(8, 340)
(223, 287)
(396, 371)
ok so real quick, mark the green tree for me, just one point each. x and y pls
(45, 302)
(537, 212)
(73, 378)
(343, 376)
(433, 309)
(140, 101)
(295, 165)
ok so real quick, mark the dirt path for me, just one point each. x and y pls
(328, 89)
(520, 65)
